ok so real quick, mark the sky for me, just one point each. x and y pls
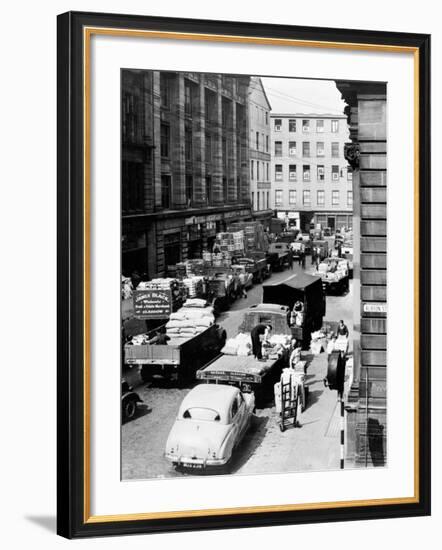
(296, 95)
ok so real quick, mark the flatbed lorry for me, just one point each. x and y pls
(255, 264)
(301, 291)
(176, 361)
(246, 372)
(278, 255)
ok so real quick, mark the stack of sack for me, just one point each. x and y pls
(195, 302)
(296, 380)
(189, 321)
(282, 339)
(276, 345)
(318, 342)
(241, 345)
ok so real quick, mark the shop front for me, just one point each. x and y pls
(334, 220)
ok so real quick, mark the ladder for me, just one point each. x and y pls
(289, 403)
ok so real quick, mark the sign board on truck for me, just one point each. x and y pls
(152, 304)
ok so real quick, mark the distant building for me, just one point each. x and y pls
(260, 159)
(311, 182)
(185, 164)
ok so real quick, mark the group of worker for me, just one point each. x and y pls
(261, 333)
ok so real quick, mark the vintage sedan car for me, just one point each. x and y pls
(211, 421)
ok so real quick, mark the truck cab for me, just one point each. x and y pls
(304, 290)
(278, 254)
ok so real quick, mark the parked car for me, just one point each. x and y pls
(211, 421)
(129, 401)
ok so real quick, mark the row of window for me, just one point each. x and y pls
(261, 141)
(335, 174)
(306, 197)
(262, 170)
(262, 116)
(307, 125)
(262, 200)
(306, 149)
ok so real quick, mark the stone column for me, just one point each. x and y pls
(217, 175)
(199, 146)
(156, 153)
(178, 195)
(233, 154)
(148, 126)
(245, 155)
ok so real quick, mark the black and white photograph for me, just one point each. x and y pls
(253, 274)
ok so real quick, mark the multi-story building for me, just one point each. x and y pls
(260, 158)
(311, 182)
(366, 407)
(185, 164)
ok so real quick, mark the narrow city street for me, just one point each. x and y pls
(313, 445)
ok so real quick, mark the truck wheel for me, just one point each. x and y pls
(129, 409)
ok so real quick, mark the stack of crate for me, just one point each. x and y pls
(181, 270)
(254, 236)
(195, 267)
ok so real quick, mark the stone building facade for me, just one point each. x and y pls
(260, 159)
(185, 164)
(311, 182)
(367, 153)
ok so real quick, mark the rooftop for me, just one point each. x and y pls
(305, 115)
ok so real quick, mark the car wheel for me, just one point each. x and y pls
(129, 409)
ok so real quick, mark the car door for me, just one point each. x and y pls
(242, 415)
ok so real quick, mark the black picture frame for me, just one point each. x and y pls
(73, 519)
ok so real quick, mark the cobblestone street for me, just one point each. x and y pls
(314, 445)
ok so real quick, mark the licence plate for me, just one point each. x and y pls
(192, 465)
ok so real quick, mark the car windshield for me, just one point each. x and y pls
(202, 413)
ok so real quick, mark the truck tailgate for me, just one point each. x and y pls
(235, 368)
(151, 354)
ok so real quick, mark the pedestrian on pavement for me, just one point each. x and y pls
(242, 291)
(317, 257)
(342, 330)
(261, 330)
(290, 258)
(302, 259)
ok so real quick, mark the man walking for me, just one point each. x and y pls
(290, 258)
